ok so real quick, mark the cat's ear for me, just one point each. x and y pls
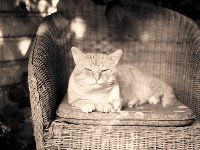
(116, 56)
(77, 54)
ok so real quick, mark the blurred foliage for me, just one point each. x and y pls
(44, 7)
(190, 8)
(16, 131)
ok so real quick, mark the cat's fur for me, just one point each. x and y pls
(97, 83)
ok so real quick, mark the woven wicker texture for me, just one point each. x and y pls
(86, 137)
(160, 41)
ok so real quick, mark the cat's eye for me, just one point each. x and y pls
(104, 70)
(87, 69)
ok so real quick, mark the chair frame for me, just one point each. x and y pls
(51, 133)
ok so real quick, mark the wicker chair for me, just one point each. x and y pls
(161, 41)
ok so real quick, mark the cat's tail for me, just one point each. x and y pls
(169, 97)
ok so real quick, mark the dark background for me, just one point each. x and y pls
(190, 8)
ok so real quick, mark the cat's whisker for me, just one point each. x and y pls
(80, 79)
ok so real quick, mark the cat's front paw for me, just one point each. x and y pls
(133, 103)
(105, 107)
(117, 104)
(87, 108)
(154, 100)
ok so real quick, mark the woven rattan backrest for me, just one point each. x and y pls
(158, 40)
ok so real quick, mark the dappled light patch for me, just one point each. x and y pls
(23, 45)
(42, 29)
(54, 2)
(1, 38)
(47, 7)
(78, 26)
(51, 10)
(43, 7)
(145, 36)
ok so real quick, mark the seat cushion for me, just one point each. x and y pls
(147, 114)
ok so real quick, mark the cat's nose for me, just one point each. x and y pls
(96, 76)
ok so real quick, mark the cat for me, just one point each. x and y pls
(98, 83)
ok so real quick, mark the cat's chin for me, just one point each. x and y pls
(101, 85)
(96, 85)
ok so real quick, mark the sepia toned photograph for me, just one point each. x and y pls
(100, 74)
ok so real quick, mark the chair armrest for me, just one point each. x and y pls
(42, 78)
(47, 75)
(195, 68)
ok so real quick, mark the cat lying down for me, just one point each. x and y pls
(97, 83)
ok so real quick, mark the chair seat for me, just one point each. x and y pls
(63, 135)
(148, 115)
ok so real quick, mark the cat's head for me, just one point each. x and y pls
(95, 69)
